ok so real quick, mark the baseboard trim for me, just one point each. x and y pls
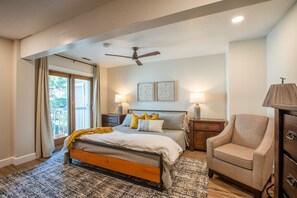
(6, 162)
(23, 159)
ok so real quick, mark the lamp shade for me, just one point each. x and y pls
(119, 98)
(197, 97)
(281, 94)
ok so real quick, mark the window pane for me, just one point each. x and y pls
(59, 105)
(82, 104)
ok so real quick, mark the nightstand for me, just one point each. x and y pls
(201, 129)
(111, 119)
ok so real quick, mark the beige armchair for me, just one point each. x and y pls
(243, 152)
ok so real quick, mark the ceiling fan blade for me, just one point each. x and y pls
(118, 55)
(138, 62)
(149, 54)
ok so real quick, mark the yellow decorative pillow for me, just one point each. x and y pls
(134, 121)
(153, 117)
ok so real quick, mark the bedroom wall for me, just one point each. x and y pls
(23, 107)
(6, 49)
(205, 73)
(246, 76)
(281, 51)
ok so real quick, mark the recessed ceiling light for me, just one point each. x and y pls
(237, 19)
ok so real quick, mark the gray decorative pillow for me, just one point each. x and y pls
(150, 125)
(172, 120)
(127, 120)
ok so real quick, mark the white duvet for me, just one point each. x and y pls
(140, 142)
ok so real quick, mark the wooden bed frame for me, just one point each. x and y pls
(150, 173)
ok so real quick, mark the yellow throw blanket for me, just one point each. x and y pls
(78, 133)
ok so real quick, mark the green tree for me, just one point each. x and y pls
(58, 94)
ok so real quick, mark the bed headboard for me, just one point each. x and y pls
(172, 119)
(154, 111)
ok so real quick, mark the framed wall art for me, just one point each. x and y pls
(146, 91)
(165, 91)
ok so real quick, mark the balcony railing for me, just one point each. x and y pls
(60, 126)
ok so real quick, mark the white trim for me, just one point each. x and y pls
(69, 71)
(6, 162)
(23, 159)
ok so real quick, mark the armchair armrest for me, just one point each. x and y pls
(223, 138)
(263, 156)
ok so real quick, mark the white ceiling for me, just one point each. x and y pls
(196, 37)
(22, 18)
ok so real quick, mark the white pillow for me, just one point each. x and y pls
(150, 125)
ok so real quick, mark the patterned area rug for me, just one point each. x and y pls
(54, 179)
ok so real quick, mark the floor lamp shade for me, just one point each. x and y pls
(120, 98)
(285, 94)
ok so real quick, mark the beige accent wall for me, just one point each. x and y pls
(282, 51)
(6, 51)
(205, 74)
(246, 74)
(23, 105)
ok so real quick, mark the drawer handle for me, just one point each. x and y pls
(291, 135)
(292, 181)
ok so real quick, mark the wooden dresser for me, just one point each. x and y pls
(112, 120)
(285, 151)
(201, 129)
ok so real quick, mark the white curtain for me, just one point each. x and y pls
(44, 141)
(96, 97)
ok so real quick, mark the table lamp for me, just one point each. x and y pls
(120, 98)
(197, 98)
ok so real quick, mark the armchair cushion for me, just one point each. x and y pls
(236, 155)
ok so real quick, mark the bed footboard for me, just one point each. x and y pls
(150, 173)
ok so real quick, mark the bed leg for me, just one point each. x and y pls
(161, 188)
(70, 160)
(161, 173)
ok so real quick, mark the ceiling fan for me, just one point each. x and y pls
(135, 55)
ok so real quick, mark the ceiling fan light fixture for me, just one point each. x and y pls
(135, 56)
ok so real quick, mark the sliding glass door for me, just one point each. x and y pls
(82, 103)
(70, 103)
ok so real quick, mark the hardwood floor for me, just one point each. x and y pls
(217, 187)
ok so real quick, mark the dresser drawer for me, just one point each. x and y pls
(290, 135)
(207, 126)
(289, 177)
(110, 119)
(108, 124)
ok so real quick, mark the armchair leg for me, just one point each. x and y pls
(210, 173)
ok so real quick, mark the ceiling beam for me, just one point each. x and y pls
(120, 17)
